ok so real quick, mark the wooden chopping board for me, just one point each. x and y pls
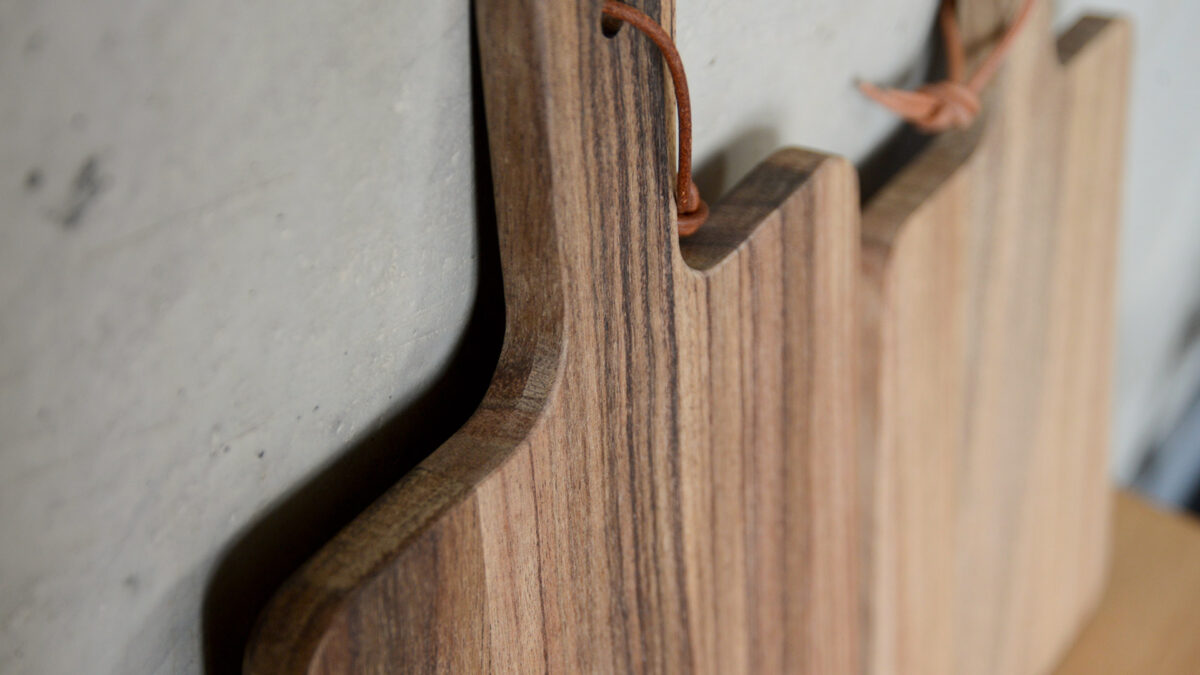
(663, 475)
(988, 268)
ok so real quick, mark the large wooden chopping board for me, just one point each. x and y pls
(662, 476)
(988, 320)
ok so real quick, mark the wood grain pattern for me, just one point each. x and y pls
(662, 477)
(988, 267)
(1149, 617)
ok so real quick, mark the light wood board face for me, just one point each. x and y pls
(662, 477)
(988, 269)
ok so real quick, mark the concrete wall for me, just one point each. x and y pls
(233, 237)
(239, 241)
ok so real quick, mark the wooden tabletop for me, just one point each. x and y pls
(1149, 618)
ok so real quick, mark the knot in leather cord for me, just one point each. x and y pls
(691, 209)
(955, 105)
(952, 103)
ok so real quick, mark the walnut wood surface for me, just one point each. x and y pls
(662, 477)
(1149, 617)
(988, 267)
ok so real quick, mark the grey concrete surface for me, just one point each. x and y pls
(235, 237)
(764, 74)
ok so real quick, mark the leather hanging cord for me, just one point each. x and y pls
(954, 102)
(692, 211)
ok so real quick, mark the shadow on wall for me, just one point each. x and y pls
(890, 157)
(272, 548)
(757, 143)
(749, 147)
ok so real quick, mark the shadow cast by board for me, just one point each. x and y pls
(267, 552)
